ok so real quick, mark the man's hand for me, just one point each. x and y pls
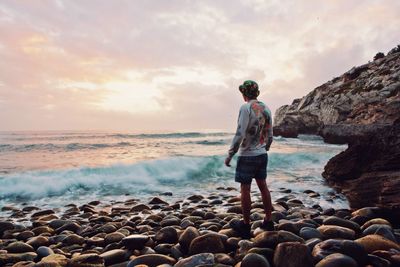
(228, 161)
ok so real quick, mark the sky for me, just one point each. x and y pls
(158, 65)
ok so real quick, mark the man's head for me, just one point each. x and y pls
(249, 89)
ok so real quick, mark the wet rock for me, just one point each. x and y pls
(163, 249)
(38, 241)
(95, 241)
(139, 207)
(42, 230)
(380, 229)
(292, 254)
(72, 226)
(42, 213)
(113, 237)
(374, 242)
(87, 260)
(333, 220)
(44, 251)
(271, 239)
(187, 237)
(196, 260)
(347, 247)
(152, 260)
(378, 261)
(253, 259)
(157, 201)
(375, 221)
(337, 260)
(167, 235)
(19, 247)
(55, 260)
(308, 233)
(170, 221)
(114, 256)
(25, 235)
(224, 258)
(312, 242)
(211, 243)
(16, 257)
(25, 264)
(135, 241)
(74, 239)
(333, 231)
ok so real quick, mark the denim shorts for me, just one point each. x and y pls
(249, 167)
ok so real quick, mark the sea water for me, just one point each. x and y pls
(52, 169)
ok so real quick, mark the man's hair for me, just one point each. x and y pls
(249, 89)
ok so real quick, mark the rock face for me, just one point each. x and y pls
(360, 108)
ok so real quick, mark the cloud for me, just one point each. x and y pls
(153, 65)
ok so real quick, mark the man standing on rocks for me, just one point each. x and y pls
(253, 139)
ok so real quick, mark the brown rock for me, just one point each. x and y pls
(292, 254)
(211, 243)
(372, 243)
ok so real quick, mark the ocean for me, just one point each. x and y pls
(53, 169)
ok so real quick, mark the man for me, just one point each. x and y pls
(253, 139)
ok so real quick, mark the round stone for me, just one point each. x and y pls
(187, 237)
(270, 239)
(88, 260)
(152, 260)
(202, 259)
(38, 241)
(113, 237)
(253, 259)
(308, 233)
(333, 220)
(374, 242)
(292, 254)
(135, 241)
(114, 256)
(337, 260)
(44, 251)
(167, 235)
(333, 231)
(347, 247)
(210, 243)
(19, 247)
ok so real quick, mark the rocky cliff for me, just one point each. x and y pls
(361, 108)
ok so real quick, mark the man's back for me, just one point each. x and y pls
(254, 132)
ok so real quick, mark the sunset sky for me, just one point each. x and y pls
(175, 65)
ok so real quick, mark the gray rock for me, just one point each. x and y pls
(308, 233)
(196, 260)
(44, 251)
(253, 259)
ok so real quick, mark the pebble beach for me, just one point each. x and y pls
(195, 231)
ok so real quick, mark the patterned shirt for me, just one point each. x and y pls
(254, 132)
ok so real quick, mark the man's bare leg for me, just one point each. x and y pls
(245, 201)
(266, 198)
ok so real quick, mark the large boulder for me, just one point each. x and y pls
(360, 108)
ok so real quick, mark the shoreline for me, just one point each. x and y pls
(195, 231)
